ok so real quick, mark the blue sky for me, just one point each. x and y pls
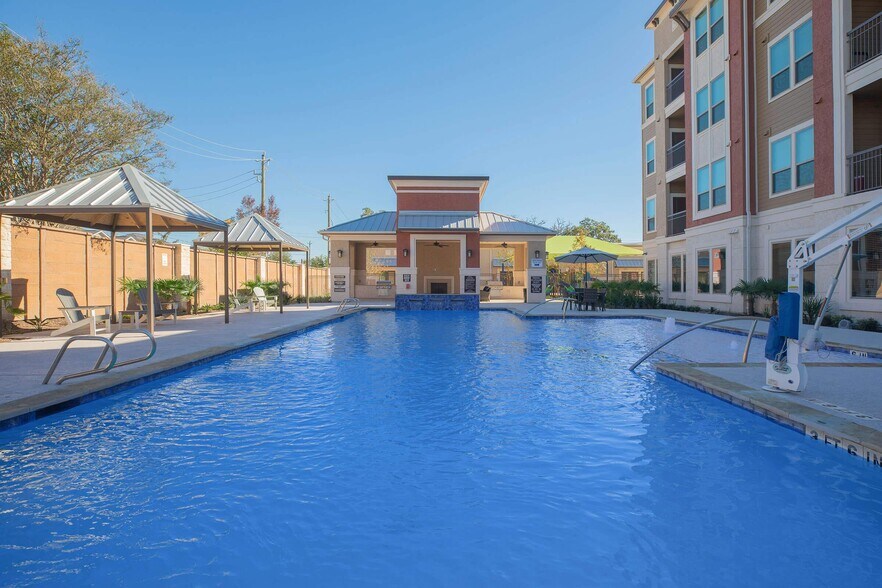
(537, 95)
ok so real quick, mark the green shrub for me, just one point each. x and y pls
(866, 324)
(811, 308)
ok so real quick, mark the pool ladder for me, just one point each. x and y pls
(347, 301)
(108, 346)
(702, 325)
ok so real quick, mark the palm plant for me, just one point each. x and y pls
(811, 308)
(770, 290)
(751, 290)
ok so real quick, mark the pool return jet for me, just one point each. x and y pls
(784, 371)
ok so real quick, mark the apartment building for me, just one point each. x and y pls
(761, 124)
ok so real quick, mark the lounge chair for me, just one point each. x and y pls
(262, 301)
(485, 294)
(160, 309)
(81, 319)
(237, 304)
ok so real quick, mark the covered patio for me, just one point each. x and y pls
(125, 199)
(253, 234)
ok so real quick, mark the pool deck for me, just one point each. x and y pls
(842, 405)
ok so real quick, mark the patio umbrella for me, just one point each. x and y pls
(586, 255)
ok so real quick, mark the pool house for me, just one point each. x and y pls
(438, 249)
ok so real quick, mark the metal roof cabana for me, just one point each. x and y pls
(120, 199)
(254, 233)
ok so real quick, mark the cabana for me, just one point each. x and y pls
(254, 233)
(120, 199)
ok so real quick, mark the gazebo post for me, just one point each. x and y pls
(151, 312)
(226, 276)
(281, 286)
(196, 277)
(112, 273)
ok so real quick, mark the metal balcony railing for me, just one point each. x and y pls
(865, 42)
(865, 170)
(677, 223)
(675, 87)
(676, 155)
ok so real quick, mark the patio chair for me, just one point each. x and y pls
(81, 319)
(590, 297)
(160, 309)
(485, 294)
(262, 301)
(238, 304)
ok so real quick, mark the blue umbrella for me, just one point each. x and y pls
(586, 255)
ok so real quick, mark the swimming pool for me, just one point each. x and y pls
(431, 449)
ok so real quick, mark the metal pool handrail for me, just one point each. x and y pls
(356, 303)
(705, 324)
(135, 360)
(108, 345)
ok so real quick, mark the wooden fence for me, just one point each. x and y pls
(46, 258)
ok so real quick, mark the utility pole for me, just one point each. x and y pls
(328, 239)
(263, 161)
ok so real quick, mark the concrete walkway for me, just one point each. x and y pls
(24, 362)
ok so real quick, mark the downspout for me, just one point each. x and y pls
(747, 55)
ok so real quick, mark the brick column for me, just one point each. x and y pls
(5, 258)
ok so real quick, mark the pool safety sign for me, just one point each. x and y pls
(535, 284)
(470, 284)
(339, 283)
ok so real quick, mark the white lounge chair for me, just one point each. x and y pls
(262, 301)
(81, 319)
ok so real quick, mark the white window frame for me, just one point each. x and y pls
(646, 215)
(782, 135)
(646, 160)
(864, 303)
(710, 100)
(654, 101)
(789, 32)
(683, 273)
(710, 293)
(646, 269)
(710, 25)
(708, 111)
(712, 209)
(706, 12)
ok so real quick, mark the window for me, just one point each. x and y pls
(798, 147)
(703, 185)
(711, 185)
(651, 271)
(711, 274)
(678, 273)
(650, 215)
(718, 99)
(716, 19)
(701, 33)
(802, 51)
(650, 157)
(718, 182)
(791, 59)
(866, 266)
(780, 255)
(701, 107)
(649, 101)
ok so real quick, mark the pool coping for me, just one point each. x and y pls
(30, 408)
(856, 439)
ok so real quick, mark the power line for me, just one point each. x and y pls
(241, 189)
(208, 156)
(216, 183)
(212, 142)
(240, 183)
(200, 147)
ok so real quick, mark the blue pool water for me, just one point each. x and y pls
(457, 449)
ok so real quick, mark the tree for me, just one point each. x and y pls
(250, 206)
(535, 220)
(318, 261)
(562, 227)
(366, 212)
(599, 230)
(59, 122)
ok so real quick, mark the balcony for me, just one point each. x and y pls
(865, 42)
(676, 223)
(865, 170)
(675, 88)
(676, 156)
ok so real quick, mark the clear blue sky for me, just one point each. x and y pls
(537, 95)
